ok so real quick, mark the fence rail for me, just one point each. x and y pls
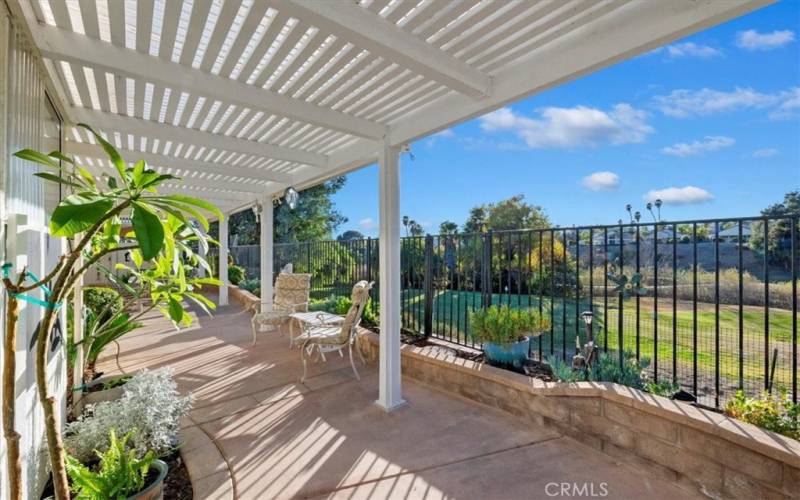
(720, 302)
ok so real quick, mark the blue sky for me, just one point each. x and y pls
(710, 124)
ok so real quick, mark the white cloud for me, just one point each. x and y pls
(684, 103)
(690, 49)
(443, 134)
(679, 195)
(765, 153)
(580, 126)
(753, 40)
(368, 224)
(601, 181)
(709, 143)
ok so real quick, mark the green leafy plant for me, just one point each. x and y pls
(662, 388)
(605, 369)
(252, 285)
(120, 473)
(236, 274)
(340, 304)
(102, 301)
(776, 413)
(503, 325)
(164, 232)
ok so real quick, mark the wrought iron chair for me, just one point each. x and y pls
(291, 296)
(335, 338)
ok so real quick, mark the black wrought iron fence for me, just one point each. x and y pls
(720, 303)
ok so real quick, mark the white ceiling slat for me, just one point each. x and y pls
(138, 99)
(425, 14)
(251, 22)
(223, 26)
(385, 39)
(89, 15)
(340, 72)
(288, 44)
(144, 24)
(58, 44)
(470, 36)
(116, 19)
(315, 67)
(378, 5)
(197, 23)
(188, 110)
(315, 43)
(259, 52)
(158, 160)
(358, 80)
(107, 121)
(221, 185)
(382, 79)
(169, 28)
(501, 58)
(525, 28)
(401, 10)
(457, 10)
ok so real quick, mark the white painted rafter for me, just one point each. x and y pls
(63, 45)
(146, 128)
(183, 164)
(384, 39)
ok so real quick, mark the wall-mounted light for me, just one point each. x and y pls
(291, 197)
(257, 210)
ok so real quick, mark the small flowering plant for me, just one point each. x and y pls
(150, 404)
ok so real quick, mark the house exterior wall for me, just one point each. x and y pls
(26, 121)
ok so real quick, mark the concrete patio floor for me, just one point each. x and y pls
(326, 438)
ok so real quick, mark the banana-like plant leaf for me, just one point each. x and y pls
(188, 200)
(112, 153)
(78, 212)
(36, 157)
(54, 178)
(149, 230)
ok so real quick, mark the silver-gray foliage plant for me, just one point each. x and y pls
(150, 404)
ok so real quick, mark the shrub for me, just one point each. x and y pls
(770, 412)
(340, 304)
(120, 473)
(236, 274)
(102, 301)
(150, 404)
(605, 369)
(252, 285)
(503, 325)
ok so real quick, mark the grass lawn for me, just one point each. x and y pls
(451, 310)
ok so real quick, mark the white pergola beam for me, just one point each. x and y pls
(158, 160)
(632, 30)
(108, 122)
(384, 39)
(62, 45)
(389, 377)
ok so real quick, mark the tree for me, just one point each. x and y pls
(315, 217)
(779, 246)
(509, 214)
(350, 235)
(415, 228)
(91, 220)
(448, 227)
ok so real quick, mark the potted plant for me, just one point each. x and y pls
(119, 474)
(506, 333)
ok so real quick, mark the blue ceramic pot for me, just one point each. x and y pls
(515, 353)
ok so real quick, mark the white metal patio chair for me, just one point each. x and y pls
(326, 338)
(290, 296)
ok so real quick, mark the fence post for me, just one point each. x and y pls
(428, 285)
(486, 269)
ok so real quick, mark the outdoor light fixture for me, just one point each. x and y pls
(587, 316)
(257, 210)
(291, 197)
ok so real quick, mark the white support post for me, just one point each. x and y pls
(390, 397)
(223, 261)
(201, 271)
(266, 253)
